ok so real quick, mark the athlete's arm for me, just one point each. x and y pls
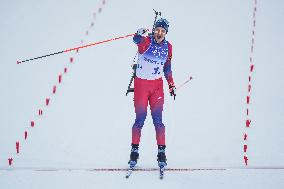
(167, 67)
(141, 41)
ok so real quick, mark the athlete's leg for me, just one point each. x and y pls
(156, 104)
(140, 103)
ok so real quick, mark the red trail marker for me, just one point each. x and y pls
(10, 161)
(26, 135)
(18, 147)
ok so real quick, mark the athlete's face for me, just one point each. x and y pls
(159, 34)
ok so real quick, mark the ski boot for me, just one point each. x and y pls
(134, 155)
(162, 160)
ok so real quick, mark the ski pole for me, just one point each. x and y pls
(77, 48)
(179, 87)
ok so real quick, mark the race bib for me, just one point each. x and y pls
(151, 63)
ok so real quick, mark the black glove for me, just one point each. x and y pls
(172, 89)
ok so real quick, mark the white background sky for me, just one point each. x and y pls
(88, 123)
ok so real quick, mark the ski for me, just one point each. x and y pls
(134, 156)
(129, 172)
(132, 165)
(162, 171)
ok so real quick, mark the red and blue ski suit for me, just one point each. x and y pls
(153, 60)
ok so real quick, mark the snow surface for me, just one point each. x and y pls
(88, 122)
